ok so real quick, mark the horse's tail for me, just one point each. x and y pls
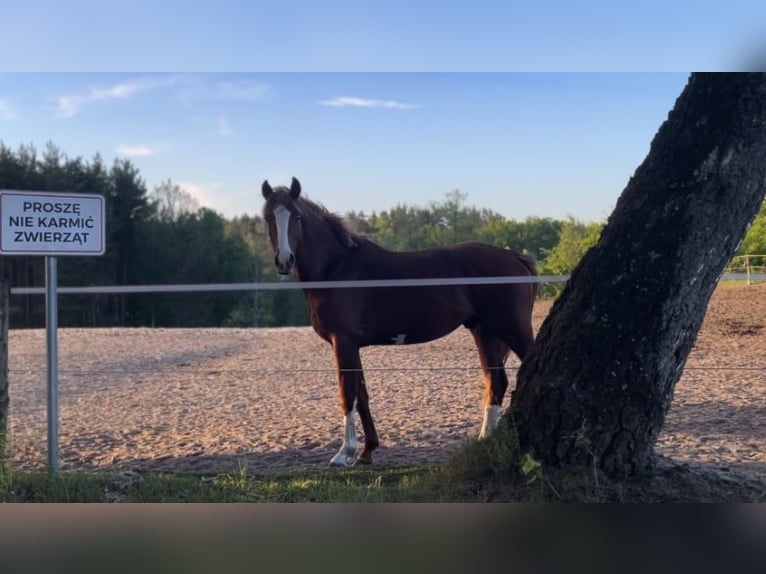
(530, 262)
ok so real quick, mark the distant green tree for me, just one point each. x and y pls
(397, 228)
(359, 222)
(575, 239)
(406, 227)
(252, 310)
(171, 201)
(535, 235)
(754, 242)
(193, 248)
(19, 169)
(86, 310)
(452, 215)
(127, 206)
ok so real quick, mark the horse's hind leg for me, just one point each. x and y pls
(493, 352)
(515, 328)
(371, 441)
(519, 339)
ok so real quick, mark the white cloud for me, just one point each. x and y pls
(197, 89)
(7, 111)
(229, 199)
(207, 194)
(244, 91)
(138, 150)
(69, 105)
(189, 89)
(354, 102)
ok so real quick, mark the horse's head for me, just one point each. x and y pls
(282, 214)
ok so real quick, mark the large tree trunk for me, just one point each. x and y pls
(597, 384)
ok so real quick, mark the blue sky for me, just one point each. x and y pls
(217, 96)
(546, 144)
(390, 35)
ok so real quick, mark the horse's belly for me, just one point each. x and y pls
(414, 317)
(407, 336)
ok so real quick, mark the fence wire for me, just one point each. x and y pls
(288, 284)
(257, 371)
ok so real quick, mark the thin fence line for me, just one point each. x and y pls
(288, 285)
(331, 370)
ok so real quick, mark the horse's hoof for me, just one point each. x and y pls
(364, 460)
(341, 460)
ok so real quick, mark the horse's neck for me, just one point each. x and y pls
(320, 251)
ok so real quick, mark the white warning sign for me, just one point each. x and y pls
(51, 223)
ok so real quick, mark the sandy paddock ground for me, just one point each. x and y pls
(216, 400)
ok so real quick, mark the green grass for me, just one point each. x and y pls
(357, 484)
(489, 470)
(524, 481)
(413, 484)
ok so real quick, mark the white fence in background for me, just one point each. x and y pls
(752, 266)
(754, 275)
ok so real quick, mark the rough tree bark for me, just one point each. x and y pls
(597, 384)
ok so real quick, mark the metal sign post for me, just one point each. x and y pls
(51, 224)
(51, 334)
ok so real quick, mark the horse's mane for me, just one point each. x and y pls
(337, 224)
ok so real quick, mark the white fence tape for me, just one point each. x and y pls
(285, 285)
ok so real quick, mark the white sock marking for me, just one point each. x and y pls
(492, 414)
(347, 453)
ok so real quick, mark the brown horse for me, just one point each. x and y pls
(316, 245)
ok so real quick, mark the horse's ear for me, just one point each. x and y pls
(266, 189)
(295, 188)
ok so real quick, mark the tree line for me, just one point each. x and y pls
(163, 236)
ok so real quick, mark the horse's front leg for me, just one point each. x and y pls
(347, 453)
(353, 396)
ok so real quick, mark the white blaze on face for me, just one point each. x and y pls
(282, 218)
